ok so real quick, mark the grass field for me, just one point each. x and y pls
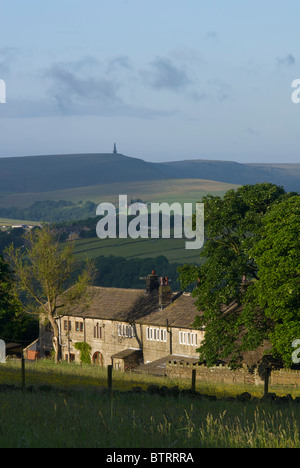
(169, 190)
(14, 222)
(172, 190)
(173, 249)
(66, 406)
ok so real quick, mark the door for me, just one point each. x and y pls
(98, 359)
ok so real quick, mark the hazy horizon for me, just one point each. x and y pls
(152, 160)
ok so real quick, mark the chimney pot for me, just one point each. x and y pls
(152, 282)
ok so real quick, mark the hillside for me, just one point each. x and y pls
(57, 172)
(163, 190)
(230, 172)
(40, 174)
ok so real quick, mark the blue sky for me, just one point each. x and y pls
(164, 79)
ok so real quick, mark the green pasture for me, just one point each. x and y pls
(173, 249)
(169, 190)
(15, 222)
(68, 406)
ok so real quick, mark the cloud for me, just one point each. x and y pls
(120, 62)
(89, 87)
(165, 75)
(221, 90)
(186, 55)
(70, 88)
(80, 88)
(47, 107)
(288, 60)
(7, 56)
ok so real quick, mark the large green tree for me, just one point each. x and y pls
(42, 272)
(233, 226)
(14, 324)
(277, 291)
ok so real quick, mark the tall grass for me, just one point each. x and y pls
(141, 421)
(67, 407)
(74, 375)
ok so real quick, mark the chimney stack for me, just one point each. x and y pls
(165, 293)
(152, 282)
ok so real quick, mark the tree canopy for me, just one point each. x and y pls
(277, 293)
(41, 272)
(241, 276)
(14, 324)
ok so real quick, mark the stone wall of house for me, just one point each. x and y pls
(175, 342)
(106, 340)
(104, 336)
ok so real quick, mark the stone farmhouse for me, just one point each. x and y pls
(128, 327)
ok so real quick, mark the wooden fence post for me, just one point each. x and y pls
(23, 373)
(266, 381)
(109, 377)
(194, 380)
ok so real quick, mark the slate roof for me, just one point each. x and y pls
(127, 353)
(180, 313)
(131, 305)
(114, 304)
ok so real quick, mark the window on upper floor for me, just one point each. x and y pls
(67, 325)
(156, 334)
(188, 338)
(126, 331)
(79, 326)
(98, 331)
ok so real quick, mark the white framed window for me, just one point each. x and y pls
(188, 338)
(156, 334)
(126, 331)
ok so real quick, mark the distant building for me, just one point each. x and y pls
(115, 149)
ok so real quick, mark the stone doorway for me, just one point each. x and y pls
(98, 359)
